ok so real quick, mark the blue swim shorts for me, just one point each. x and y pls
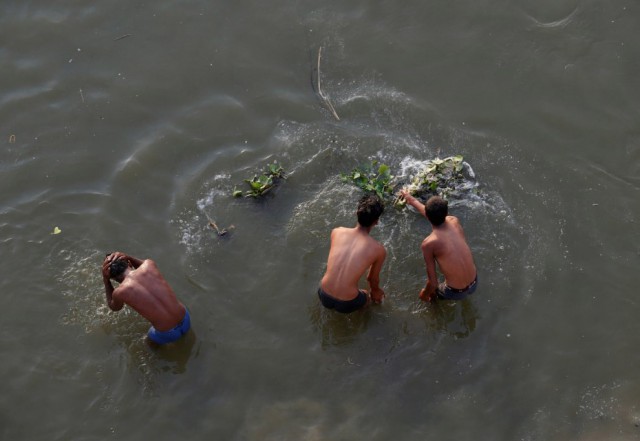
(163, 337)
(447, 293)
(344, 306)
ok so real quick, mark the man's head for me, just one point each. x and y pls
(370, 208)
(436, 210)
(117, 269)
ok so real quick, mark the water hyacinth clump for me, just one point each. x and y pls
(438, 177)
(442, 177)
(374, 177)
(259, 185)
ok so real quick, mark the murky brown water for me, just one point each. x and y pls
(127, 126)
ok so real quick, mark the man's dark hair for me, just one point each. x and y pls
(118, 267)
(436, 210)
(370, 208)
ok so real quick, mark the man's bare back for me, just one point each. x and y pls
(447, 247)
(143, 288)
(352, 252)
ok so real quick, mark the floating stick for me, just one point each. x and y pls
(219, 232)
(322, 95)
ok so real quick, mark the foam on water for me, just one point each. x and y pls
(193, 224)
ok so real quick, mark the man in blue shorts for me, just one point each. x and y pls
(142, 287)
(353, 251)
(446, 246)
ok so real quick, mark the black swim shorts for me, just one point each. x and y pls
(447, 293)
(344, 306)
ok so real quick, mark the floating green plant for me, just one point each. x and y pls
(373, 177)
(437, 177)
(261, 184)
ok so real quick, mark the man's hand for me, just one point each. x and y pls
(117, 255)
(424, 295)
(377, 295)
(106, 270)
(410, 200)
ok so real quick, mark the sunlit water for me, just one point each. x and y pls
(128, 126)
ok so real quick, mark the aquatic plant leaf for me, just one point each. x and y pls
(261, 184)
(372, 177)
(255, 185)
(262, 180)
(275, 170)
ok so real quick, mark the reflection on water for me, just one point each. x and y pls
(454, 318)
(150, 361)
(337, 329)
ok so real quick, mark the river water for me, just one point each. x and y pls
(127, 125)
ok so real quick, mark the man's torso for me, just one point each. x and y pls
(146, 291)
(351, 254)
(452, 253)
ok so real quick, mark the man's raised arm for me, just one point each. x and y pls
(419, 206)
(134, 262)
(114, 304)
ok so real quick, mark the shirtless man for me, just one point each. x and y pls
(353, 251)
(142, 287)
(447, 246)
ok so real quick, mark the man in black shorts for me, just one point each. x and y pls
(353, 251)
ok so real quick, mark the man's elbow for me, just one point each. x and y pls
(115, 306)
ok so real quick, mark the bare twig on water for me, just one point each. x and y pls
(322, 95)
(122, 37)
(219, 232)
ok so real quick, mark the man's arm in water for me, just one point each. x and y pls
(377, 294)
(114, 304)
(428, 293)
